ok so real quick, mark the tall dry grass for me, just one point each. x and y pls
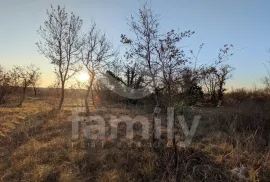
(226, 139)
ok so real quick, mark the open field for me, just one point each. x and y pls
(36, 145)
(105, 91)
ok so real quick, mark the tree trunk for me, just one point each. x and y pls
(35, 91)
(156, 96)
(170, 95)
(62, 97)
(93, 99)
(86, 101)
(90, 88)
(220, 91)
(23, 96)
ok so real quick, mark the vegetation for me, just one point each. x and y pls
(61, 44)
(154, 75)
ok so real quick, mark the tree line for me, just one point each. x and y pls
(18, 79)
(153, 60)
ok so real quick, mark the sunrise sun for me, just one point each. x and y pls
(84, 77)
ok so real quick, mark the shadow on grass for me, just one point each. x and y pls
(47, 155)
(117, 160)
(126, 163)
(29, 128)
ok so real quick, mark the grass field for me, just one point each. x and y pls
(36, 145)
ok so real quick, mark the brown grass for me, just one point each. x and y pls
(43, 151)
(11, 117)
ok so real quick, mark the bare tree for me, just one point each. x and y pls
(131, 78)
(145, 28)
(209, 81)
(134, 77)
(158, 54)
(171, 60)
(5, 83)
(25, 77)
(97, 52)
(142, 48)
(35, 83)
(223, 74)
(61, 44)
(215, 76)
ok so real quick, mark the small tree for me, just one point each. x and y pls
(134, 78)
(35, 83)
(96, 53)
(191, 91)
(5, 83)
(215, 76)
(209, 80)
(26, 76)
(61, 44)
(223, 74)
(158, 54)
(130, 79)
(171, 60)
(145, 28)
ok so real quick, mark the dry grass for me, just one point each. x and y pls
(43, 151)
(11, 117)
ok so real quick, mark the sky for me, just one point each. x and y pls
(245, 24)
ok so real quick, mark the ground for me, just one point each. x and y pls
(36, 145)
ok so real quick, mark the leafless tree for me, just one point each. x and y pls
(171, 60)
(142, 48)
(130, 78)
(134, 77)
(35, 83)
(157, 53)
(223, 74)
(96, 54)
(5, 83)
(61, 44)
(215, 76)
(25, 76)
(191, 91)
(209, 81)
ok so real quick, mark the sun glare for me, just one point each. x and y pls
(84, 77)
